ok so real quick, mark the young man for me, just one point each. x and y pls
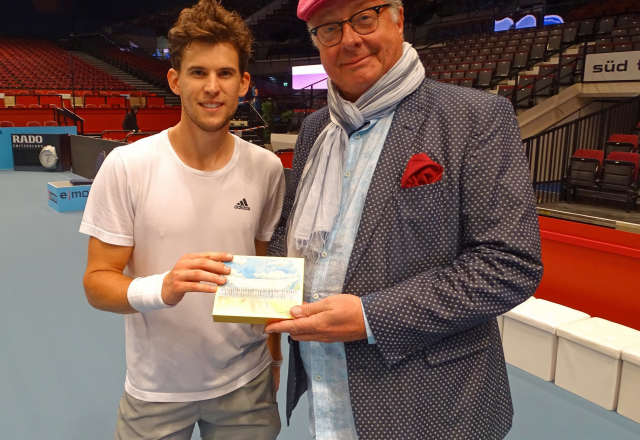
(163, 218)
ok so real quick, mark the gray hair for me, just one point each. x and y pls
(394, 9)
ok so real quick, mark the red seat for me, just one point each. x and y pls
(35, 106)
(6, 124)
(105, 106)
(590, 154)
(634, 158)
(91, 106)
(154, 106)
(625, 138)
(19, 106)
(34, 124)
(286, 157)
(23, 92)
(50, 124)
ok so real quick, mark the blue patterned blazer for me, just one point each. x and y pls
(434, 266)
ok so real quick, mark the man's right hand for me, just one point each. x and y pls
(189, 272)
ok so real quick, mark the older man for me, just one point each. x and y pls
(412, 204)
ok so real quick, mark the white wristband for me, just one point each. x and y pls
(145, 294)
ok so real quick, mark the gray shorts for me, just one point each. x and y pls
(248, 413)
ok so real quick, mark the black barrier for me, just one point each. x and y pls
(85, 152)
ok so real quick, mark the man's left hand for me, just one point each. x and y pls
(337, 318)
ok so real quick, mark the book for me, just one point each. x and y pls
(259, 290)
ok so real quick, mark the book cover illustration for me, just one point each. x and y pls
(259, 290)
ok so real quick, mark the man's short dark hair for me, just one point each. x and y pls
(210, 23)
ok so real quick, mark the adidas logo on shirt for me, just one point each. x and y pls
(242, 204)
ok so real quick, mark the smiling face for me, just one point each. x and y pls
(209, 84)
(359, 61)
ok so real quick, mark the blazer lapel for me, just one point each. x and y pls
(398, 147)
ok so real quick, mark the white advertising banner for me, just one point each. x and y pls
(613, 66)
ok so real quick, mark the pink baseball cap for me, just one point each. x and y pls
(306, 8)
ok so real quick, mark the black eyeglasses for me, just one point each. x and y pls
(363, 22)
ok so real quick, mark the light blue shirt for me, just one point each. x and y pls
(330, 412)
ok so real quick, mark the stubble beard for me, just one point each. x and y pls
(208, 127)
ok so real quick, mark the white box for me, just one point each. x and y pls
(629, 402)
(589, 363)
(529, 340)
(501, 319)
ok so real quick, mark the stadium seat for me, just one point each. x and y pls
(605, 26)
(91, 106)
(584, 171)
(19, 106)
(50, 124)
(620, 175)
(484, 78)
(154, 106)
(625, 143)
(544, 85)
(555, 43)
(35, 106)
(586, 28)
(503, 68)
(34, 124)
(537, 52)
(104, 106)
(6, 124)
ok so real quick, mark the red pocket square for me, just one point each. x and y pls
(421, 170)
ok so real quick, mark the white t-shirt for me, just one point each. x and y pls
(145, 196)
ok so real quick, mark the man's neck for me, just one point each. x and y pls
(202, 150)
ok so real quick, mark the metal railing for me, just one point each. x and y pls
(549, 152)
(63, 116)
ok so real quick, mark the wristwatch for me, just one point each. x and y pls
(276, 363)
(48, 158)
